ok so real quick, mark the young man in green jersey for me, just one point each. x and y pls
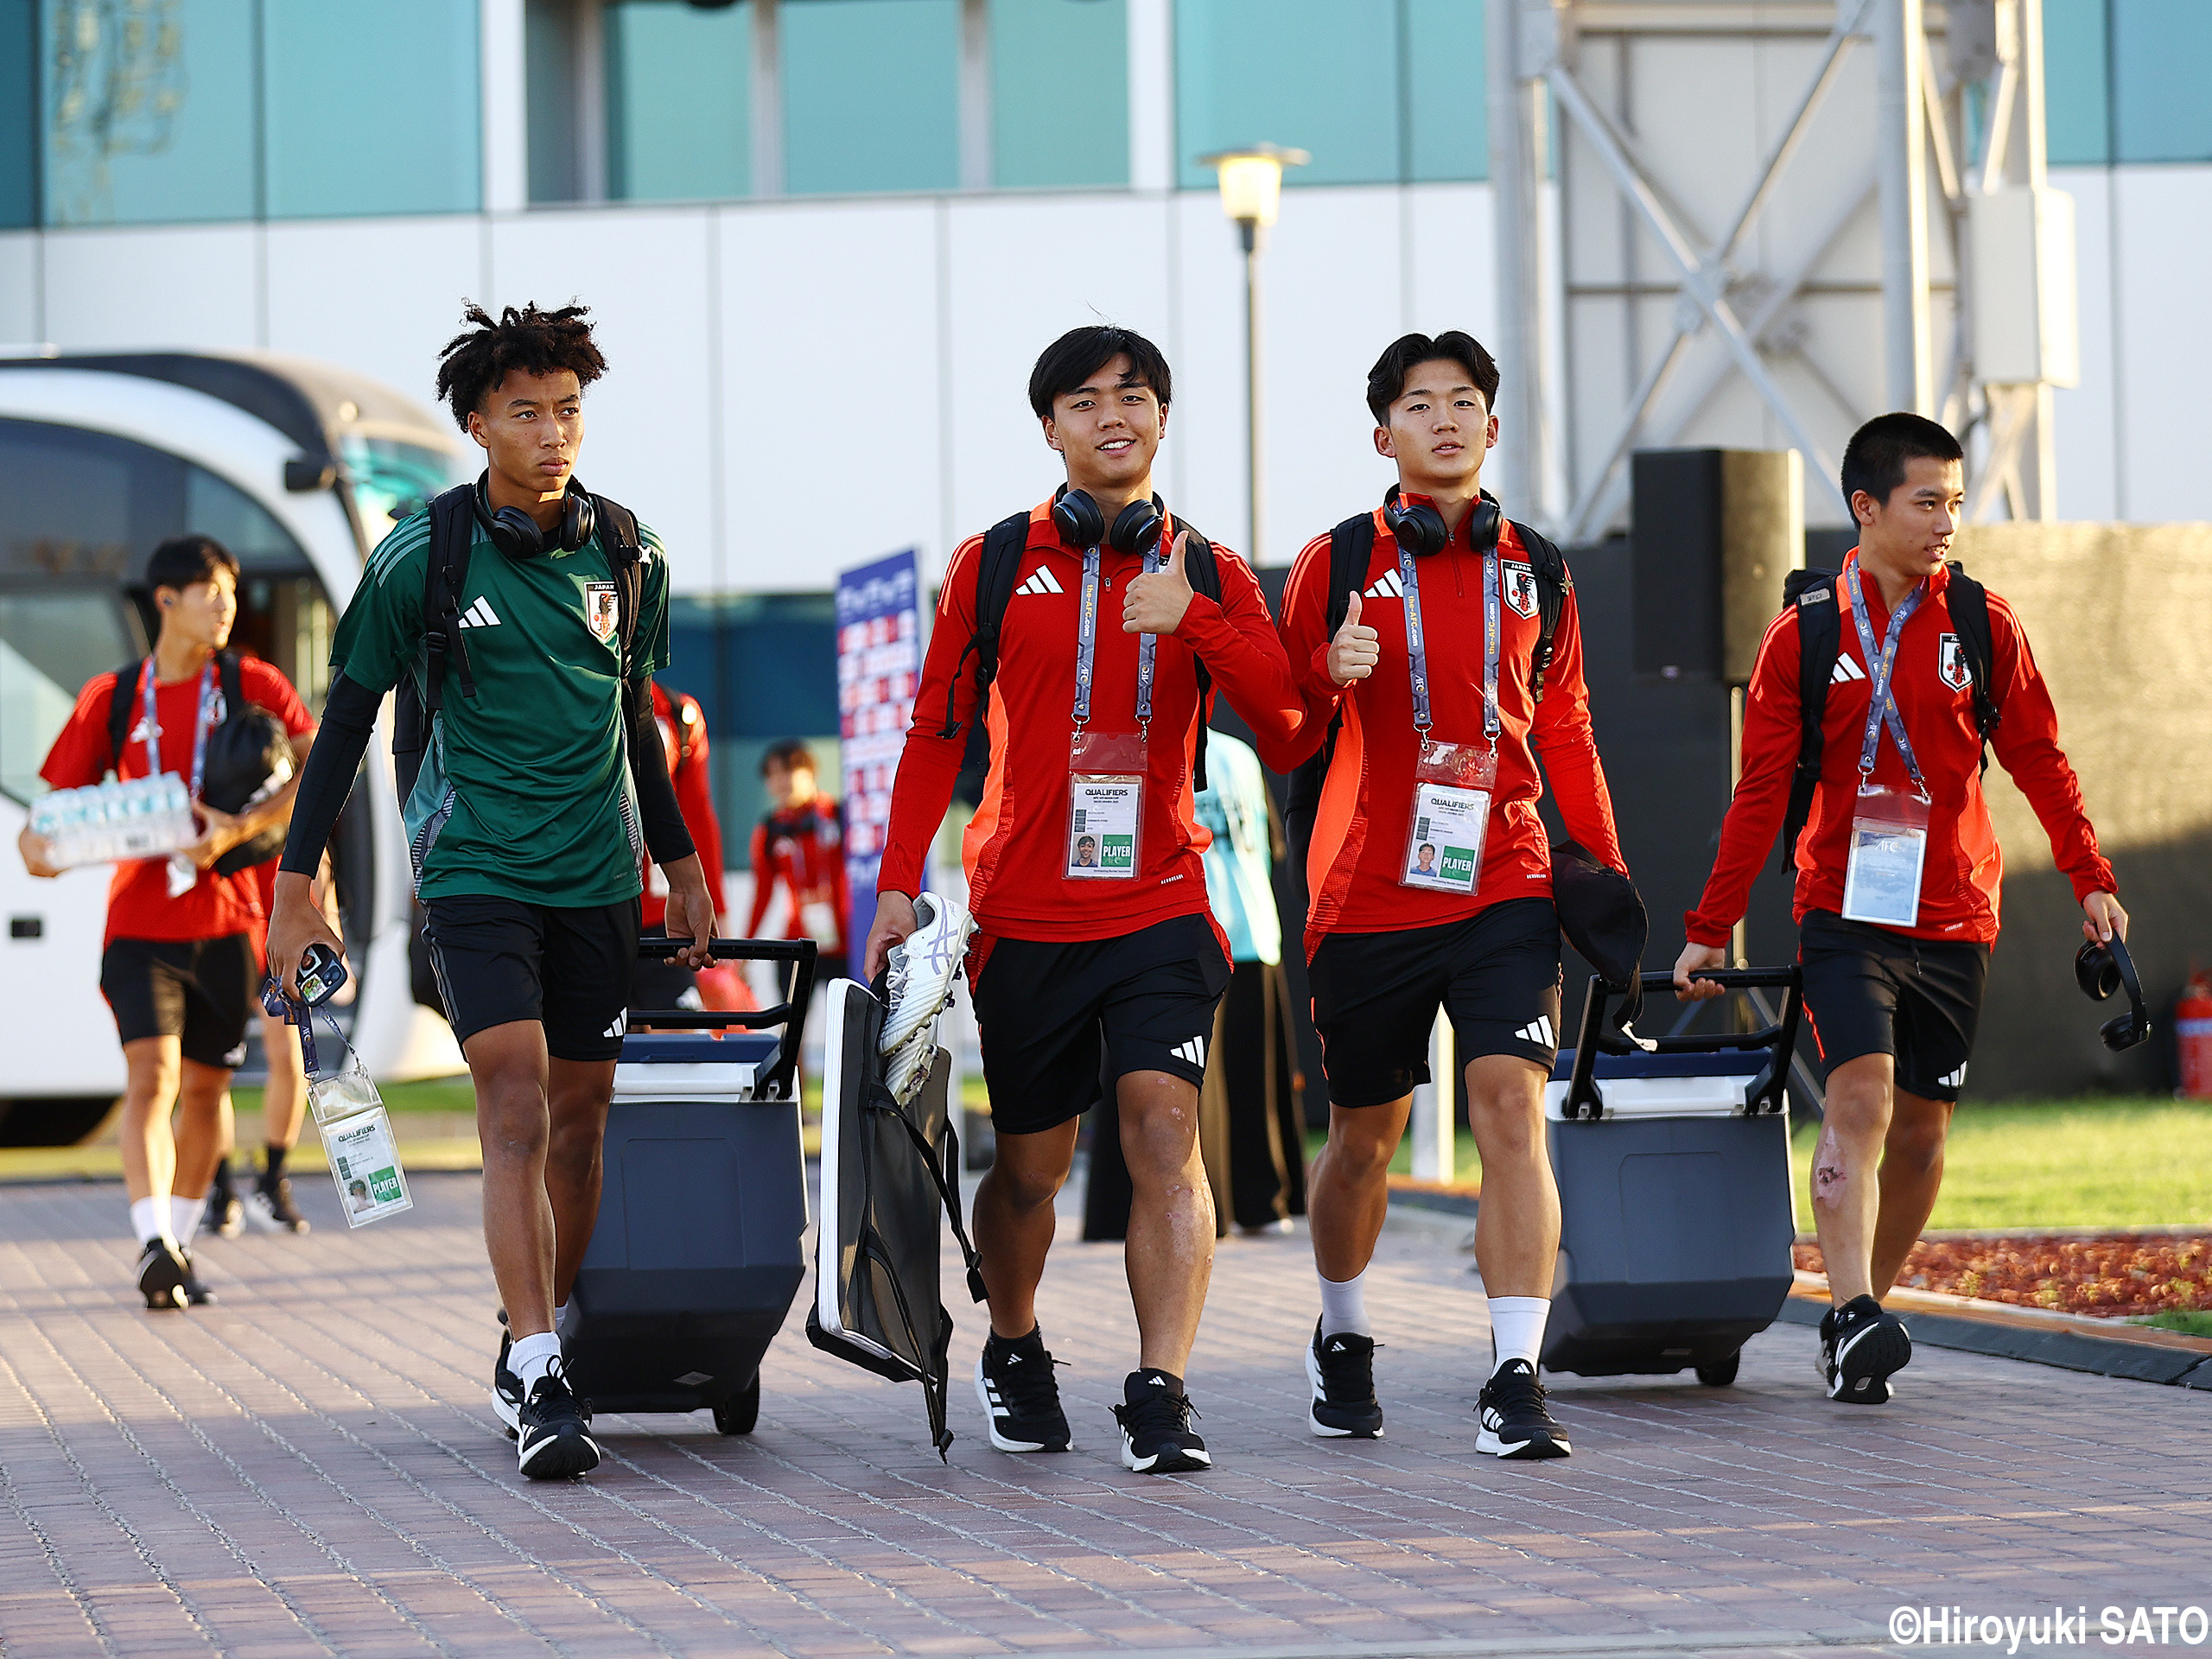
(542, 782)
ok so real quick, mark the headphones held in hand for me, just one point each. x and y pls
(516, 533)
(1421, 530)
(1136, 527)
(2100, 970)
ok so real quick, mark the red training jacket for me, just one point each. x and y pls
(683, 739)
(804, 848)
(1359, 831)
(1014, 846)
(1963, 868)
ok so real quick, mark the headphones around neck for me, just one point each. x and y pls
(1136, 528)
(516, 533)
(2100, 970)
(1419, 528)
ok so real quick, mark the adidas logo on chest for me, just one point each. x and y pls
(479, 615)
(1040, 580)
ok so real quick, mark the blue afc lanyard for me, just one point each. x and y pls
(1086, 642)
(1881, 666)
(198, 728)
(1417, 649)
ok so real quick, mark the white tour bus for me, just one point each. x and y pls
(297, 469)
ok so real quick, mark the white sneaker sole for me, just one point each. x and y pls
(1884, 1349)
(1178, 1462)
(991, 1421)
(1555, 1445)
(1320, 1396)
(572, 1455)
(508, 1413)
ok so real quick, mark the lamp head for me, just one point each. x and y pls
(1251, 179)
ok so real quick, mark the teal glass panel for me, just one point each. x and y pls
(679, 101)
(2076, 83)
(18, 113)
(550, 92)
(1447, 102)
(1319, 75)
(871, 95)
(2161, 56)
(149, 110)
(1059, 92)
(372, 109)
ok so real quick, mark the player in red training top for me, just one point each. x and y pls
(682, 724)
(1097, 951)
(182, 955)
(799, 843)
(1898, 867)
(1430, 871)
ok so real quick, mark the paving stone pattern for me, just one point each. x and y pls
(312, 1467)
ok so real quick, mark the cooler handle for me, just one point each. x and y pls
(779, 1084)
(1765, 1097)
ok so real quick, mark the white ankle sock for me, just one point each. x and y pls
(149, 1219)
(184, 1218)
(561, 1320)
(1343, 1305)
(531, 1357)
(1517, 1328)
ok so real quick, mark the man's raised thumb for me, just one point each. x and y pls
(1175, 552)
(1351, 611)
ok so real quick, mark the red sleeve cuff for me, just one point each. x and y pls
(1700, 931)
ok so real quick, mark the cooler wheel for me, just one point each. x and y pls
(741, 1411)
(1719, 1374)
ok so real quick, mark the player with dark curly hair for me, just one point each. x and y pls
(536, 790)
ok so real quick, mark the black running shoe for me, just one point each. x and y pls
(226, 1217)
(161, 1273)
(553, 1436)
(1342, 1370)
(1862, 1346)
(1512, 1419)
(196, 1293)
(1021, 1397)
(1156, 1437)
(506, 1386)
(270, 1208)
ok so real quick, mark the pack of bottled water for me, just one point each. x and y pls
(146, 817)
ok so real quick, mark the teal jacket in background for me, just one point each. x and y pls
(1239, 884)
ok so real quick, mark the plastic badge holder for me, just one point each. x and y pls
(1453, 786)
(1889, 843)
(356, 1129)
(1106, 773)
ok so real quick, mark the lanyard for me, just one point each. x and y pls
(1880, 668)
(1417, 649)
(199, 730)
(1086, 642)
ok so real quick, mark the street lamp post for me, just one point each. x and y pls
(1251, 194)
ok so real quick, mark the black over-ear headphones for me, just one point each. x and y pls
(1419, 528)
(2103, 969)
(1136, 527)
(516, 533)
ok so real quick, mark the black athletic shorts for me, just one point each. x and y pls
(500, 960)
(199, 991)
(1059, 1020)
(664, 982)
(1871, 991)
(1376, 997)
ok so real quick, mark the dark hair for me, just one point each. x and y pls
(1386, 381)
(1081, 352)
(1874, 460)
(787, 754)
(183, 560)
(473, 363)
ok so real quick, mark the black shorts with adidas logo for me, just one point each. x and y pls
(1871, 990)
(499, 960)
(1376, 997)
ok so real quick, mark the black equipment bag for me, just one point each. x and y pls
(889, 1173)
(246, 753)
(696, 1253)
(1000, 565)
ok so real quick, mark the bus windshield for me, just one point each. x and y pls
(392, 480)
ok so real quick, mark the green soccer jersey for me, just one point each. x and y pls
(525, 790)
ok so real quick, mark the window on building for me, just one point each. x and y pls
(2076, 80)
(549, 93)
(2160, 51)
(18, 113)
(1059, 92)
(1447, 106)
(679, 101)
(871, 93)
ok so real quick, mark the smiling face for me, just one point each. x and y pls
(1439, 429)
(531, 427)
(1908, 536)
(1108, 429)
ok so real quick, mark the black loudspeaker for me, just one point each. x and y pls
(1713, 533)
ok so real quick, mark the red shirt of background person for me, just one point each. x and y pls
(684, 737)
(799, 844)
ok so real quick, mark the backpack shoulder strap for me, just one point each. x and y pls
(1820, 640)
(444, 573)
(233, 682)
(1000, 564)
(625, 555)
(1554, 583)
(1203, 571)
(1351, 544)
(1968, 602)
(118, 710)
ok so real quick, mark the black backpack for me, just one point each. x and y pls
(1003, 544)
(445, 652)
(1351, 545)
(243, 753)
(1819, 642)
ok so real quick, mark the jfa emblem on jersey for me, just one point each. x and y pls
(1520, 582)
(1951, 663)
(602, 610)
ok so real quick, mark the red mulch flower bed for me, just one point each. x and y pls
(2118, 1276)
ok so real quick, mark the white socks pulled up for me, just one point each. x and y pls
(1344, 1306)
(149, 1220)
(1517, 1328)
(530, 1357)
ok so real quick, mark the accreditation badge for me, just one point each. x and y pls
(1453, 786)
(1106, 774)
(1889, 845)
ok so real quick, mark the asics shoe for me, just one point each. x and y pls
(269, 1207)
(553, 1431)
(1862, 1347)
(1021, 1397)
(1513, 1420)
(161, 1273)
(506, 1386)
(918, 978)
(1342, 1370)
(1156, 1435)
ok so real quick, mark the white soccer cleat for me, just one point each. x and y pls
(922, 969)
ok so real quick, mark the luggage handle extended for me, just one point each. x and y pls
(1779, 1039)
(779, 1083)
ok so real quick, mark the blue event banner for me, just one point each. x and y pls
(879, 663)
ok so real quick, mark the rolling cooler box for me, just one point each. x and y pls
(696, 1258)
(1672, 1164)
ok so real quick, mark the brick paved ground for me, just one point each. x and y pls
(312, 1468)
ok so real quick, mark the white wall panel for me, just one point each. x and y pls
(1205, 472)
(2163, 235)
(379, 295)
(2088, 415)
(168, 285)
(19, 307)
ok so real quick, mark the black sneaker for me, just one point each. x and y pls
(270, 1208)
(1156, 1437)
(196, 1293)
(226, 1217)
(1512, 1419)
(553, 1433)
(1342, 1370)
(506, 1386)
(1021, 1398)
(161, 1273)
(1862, 1346)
